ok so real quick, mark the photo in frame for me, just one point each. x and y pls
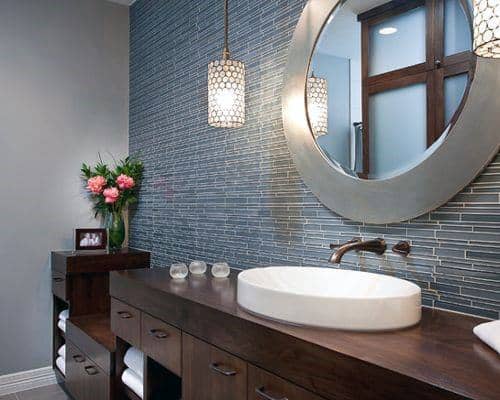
(91, 239)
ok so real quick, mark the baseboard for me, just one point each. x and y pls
(26, 380)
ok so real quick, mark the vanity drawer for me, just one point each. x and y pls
(265, 386)
(209, 373)
(161, 342)
(97, 383)
(228, 375)
(84, 379)
(75, 379)
(59, 285)
(126, 322)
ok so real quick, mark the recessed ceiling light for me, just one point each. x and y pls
(390, 30)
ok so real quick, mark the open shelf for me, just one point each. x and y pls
(59, 337)
(159, 383)
(130, 394)
(59, 375)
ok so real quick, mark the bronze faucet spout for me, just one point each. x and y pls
(377, 246)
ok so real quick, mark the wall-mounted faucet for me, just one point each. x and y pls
(377, 246)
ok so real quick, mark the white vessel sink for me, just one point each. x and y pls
(330, 298)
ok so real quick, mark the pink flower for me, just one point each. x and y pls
(125, 182)
(111, 195)
(96, 184)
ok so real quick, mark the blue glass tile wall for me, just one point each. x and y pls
(235, 195)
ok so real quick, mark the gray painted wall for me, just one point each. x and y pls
(63, 98)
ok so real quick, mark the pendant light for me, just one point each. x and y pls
(317, 105)
(226, 87)
(487, 28)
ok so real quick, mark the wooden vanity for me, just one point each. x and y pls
(193, 330)
(80, 283)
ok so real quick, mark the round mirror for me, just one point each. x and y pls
(386, 80)
(386, 111)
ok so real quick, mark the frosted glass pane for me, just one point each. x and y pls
(397, 42)
(457, 34)
(454, 90)
(398, 129)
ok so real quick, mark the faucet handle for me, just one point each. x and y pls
(334, 246)
(402, 248)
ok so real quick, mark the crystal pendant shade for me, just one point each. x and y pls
(487, 28)
(317, 105)
(226, 94)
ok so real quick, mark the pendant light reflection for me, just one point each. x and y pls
(226, 87)
(487, 28)
(317, 105)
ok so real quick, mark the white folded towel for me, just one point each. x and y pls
(489, 333)
(62, 351)
(64, 315)
(134, 382)
(61, 365)
(62, 325)
(134, 359)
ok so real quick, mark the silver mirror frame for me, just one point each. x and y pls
(445, 172)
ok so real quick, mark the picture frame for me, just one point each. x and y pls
(91, 239)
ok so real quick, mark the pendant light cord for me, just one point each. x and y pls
(225, 53)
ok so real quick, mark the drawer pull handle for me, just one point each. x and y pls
(58, 280)
(217, 368)
(91, 370)
(78, 358)
(261, 392)
(158, 334)
(124, 314)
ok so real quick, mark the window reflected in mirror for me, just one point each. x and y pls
(387, 79)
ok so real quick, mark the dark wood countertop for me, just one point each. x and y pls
(439, 358)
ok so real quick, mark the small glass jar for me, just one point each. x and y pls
(221, 270)
(178, 271)
(198, 267)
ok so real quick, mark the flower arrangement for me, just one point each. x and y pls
(112, 191)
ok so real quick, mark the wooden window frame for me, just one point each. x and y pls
(432, 72)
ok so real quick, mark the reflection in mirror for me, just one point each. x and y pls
(386, 81)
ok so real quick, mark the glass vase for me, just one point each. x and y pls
(116, 230)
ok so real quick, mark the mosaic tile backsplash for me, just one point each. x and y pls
(235, 195)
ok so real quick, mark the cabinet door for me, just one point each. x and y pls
(265, 386)
(211, 374)
(195, 376)
(75, 374)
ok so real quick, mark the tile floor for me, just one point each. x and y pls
(53, 392)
